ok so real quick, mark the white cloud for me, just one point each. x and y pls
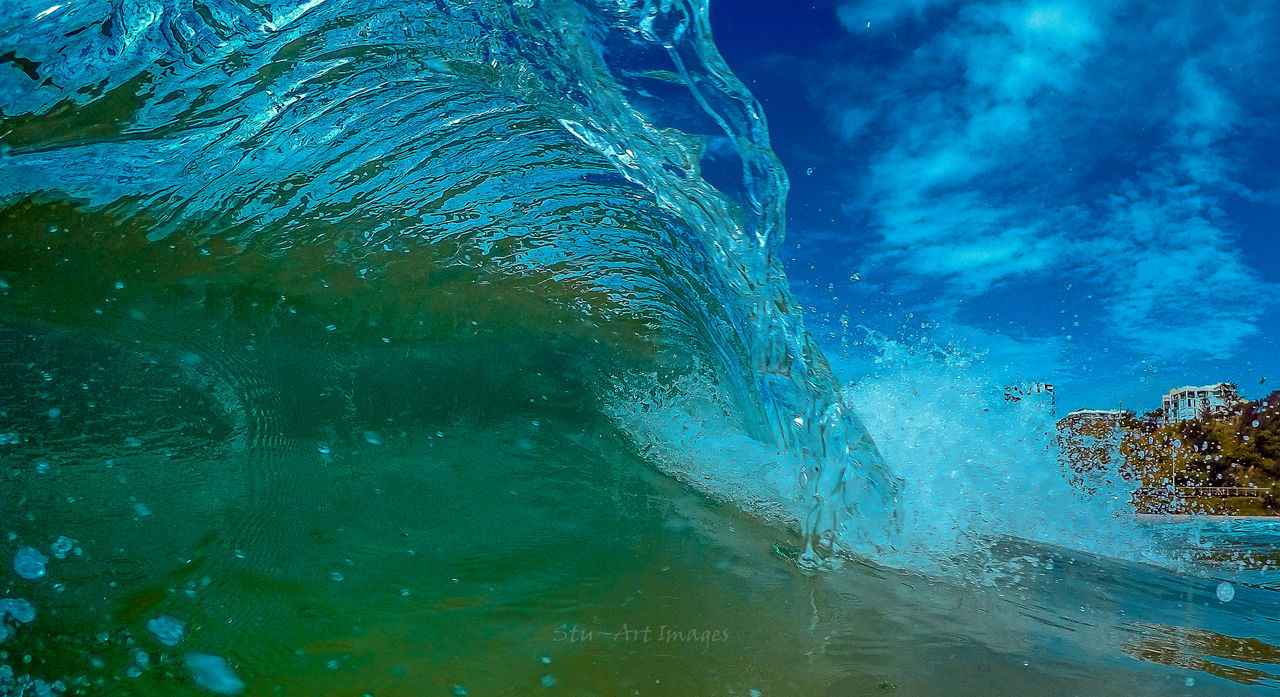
(1014, 50)
(1179, 283)
(1182, 284)
(959, 238)
(1000, 132)
(931, 218)
(1205, 118)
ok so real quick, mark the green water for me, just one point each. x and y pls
(477, 528)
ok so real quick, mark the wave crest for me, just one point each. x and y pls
(386, 161)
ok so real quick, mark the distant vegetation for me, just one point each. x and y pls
(1174, 462)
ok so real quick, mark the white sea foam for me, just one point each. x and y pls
(976, 467)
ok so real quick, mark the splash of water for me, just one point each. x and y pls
(978, 466)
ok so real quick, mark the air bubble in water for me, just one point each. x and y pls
(62, 547)
(168, 630)
(29, 563)
(214, 674)
(19, 610)
(1226, 592)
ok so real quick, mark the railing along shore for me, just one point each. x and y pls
(1205, 491)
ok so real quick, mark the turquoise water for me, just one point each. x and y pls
(401, 348)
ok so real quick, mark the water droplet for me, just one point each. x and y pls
(372, 438)
(167, 630)
(1226, 592)
(331, 664)
(753, 692)
(548, 681)
(29, 563)
(62, 547)
(55, 413)
(214, 674)
(459, 691)
(142, 509)
(323, 448)
(1189, 682)
(336, 576)
(21, 611)
(546, 660)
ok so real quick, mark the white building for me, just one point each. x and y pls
(1099, 415)
(1186, 403)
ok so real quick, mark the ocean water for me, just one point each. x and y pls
(415, 348)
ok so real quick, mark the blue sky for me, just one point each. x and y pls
(1089, 191)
